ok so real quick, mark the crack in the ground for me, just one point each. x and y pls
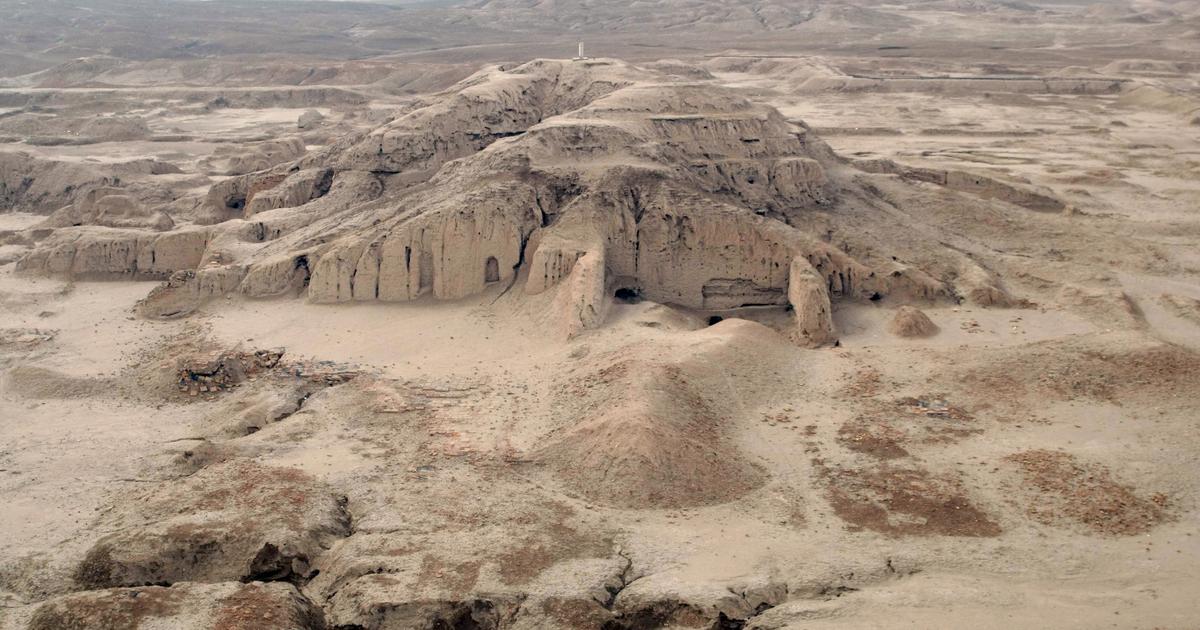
(623, 582)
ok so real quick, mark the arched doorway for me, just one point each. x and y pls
(491, 270)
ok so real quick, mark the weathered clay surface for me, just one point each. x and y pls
(42, 186)
(220, 606)
(682, 193)
(109, 207)
(234, 521)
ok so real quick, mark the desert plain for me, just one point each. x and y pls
(770, 314)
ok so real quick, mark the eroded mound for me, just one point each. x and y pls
(648, 437)
(234, 521)
(662, 182)
(1127, 369)
(110, 207)
(494, 558)
(42, 186)
(911, 322)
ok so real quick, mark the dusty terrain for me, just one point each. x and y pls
(772, 315)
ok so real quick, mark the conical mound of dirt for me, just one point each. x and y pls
(649, 440)
(911, 322)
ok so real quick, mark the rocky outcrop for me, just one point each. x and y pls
(479, 239)
(244, 197)
(115, 129)
(187, 290)
(257, 156)
(583, 300)
(109, 207)
(29, 184)
(259, 159)
(228, 522)
(809, 297)
(294, 190)
(661, 600)
(102, 253)
(280, 275)
(981, 286)
(1023, 195)
(488, 106)
(309, 119)
(553, 260)
(227, 605)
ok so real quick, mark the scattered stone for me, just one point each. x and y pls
(24, 338)
(903, 501)
(310, 119)
(1071, 492)
(218, 371)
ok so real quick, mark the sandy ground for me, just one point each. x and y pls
(68, 458)
(459, 464)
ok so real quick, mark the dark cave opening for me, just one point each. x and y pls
(491, 270)
(628, 295)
